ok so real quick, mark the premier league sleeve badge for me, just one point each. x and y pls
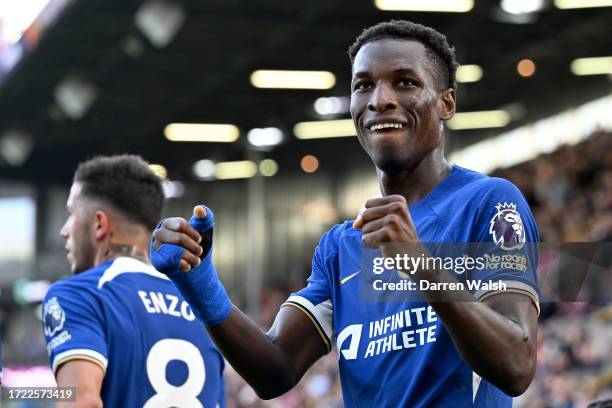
(53, 317)
(506, 227)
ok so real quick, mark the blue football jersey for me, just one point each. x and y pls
(131, 320)
(397, 353)
(0, 356)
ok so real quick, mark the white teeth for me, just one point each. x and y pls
(386, 125)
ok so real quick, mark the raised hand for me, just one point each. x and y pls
(176, 243)
(183, 251)
(386, 220)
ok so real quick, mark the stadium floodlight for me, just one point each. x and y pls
(268, 167)
(592, 66)
(324, 129)
(522, 6)
(574, 4)
(204, 169)
(446, 6)
(173, 189)
(15, 147)
(279, 79)
(201, 132)
(75, 95)
(309, 163)
(526, 67)
(159, 170)
(332, 105)
(160, 21)
(235, 170)
(265, 137)
(479, 120)
(469, 73)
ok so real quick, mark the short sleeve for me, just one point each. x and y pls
(506, 238)
(315, 299)
(73, 326)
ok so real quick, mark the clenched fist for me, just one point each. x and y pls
(178, 231)
(386, 223)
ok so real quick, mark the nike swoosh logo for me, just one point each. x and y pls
(346, 279)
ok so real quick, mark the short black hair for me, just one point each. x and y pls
(127, 183)
(440, 53)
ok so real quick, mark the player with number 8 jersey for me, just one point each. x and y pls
(130, 320)
(118, 330)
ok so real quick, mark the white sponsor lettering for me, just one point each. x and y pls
(354, 333)
(402, 330)
(409, 339)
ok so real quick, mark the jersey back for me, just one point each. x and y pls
(130, 320)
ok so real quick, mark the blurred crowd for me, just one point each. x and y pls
(570, 193)
(319, 388)
(574, 361)
(570, 190)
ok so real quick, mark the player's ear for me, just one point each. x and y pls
(448, 104)
(101, 225)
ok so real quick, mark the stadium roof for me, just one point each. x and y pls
(97, 51)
